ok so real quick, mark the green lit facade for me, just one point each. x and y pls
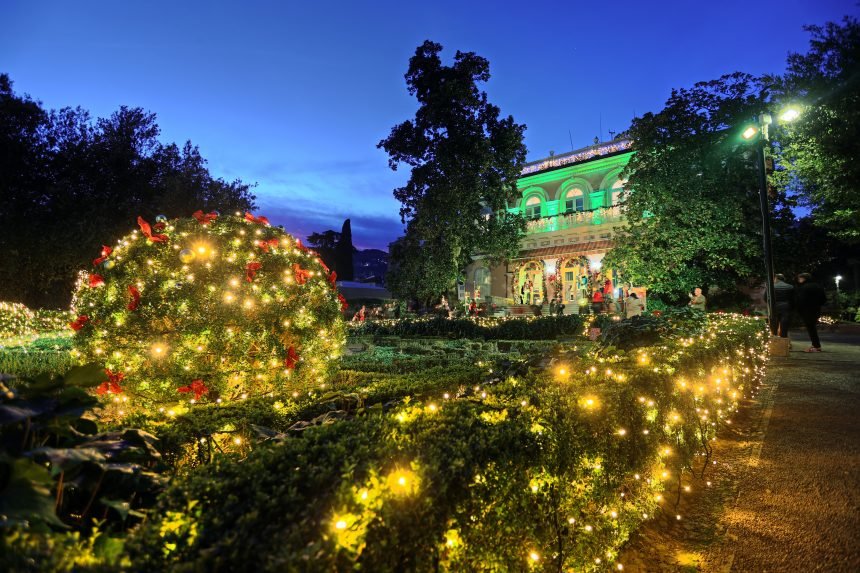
(572, 203)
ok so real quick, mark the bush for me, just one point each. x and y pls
(535, 467)
(208, 308)
(519, 328)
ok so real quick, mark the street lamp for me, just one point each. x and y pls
(759, 132)
(837, 278)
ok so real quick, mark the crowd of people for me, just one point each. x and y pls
(806, 298)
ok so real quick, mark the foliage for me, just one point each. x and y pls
(517, 328)
(692, 191)
(549, 469)
(344, 252)
(325, 245)
(67, 180)
(820, 148)
(15, 320)
(58, 472)
(204, 310)
(649, 329)
(46, 354)
(464, 163)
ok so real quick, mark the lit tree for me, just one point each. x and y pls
(207, 308)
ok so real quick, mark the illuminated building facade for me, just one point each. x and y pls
(572, 203)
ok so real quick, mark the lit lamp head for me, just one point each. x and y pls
(838, 278)
(749, 132)
(789, 114)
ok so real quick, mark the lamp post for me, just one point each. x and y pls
(759, 131)
(837, 278)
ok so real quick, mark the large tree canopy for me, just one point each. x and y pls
(69, 183)
(822, 147)
(465, 161)
(691, 206)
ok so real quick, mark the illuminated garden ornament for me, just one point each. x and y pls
(208, 308)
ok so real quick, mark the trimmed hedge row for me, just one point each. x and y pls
(536, 468)
(508, 328)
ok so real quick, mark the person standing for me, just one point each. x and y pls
(809, 298)
(635, 306)
(783, 297)
(597, 302)
(698, 300)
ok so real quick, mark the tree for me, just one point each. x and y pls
(464, 162)
(69, 183)
(691, 195)
(344, 253)
(822, 146)
(325, 244)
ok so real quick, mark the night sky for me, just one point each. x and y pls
(295, 95)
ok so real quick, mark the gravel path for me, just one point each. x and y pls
(784, 494)
(799, 505)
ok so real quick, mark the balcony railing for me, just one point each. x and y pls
(568, 220)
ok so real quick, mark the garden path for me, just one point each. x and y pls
(784, 492)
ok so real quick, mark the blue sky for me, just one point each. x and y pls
(295, 95)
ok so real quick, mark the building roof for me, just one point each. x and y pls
(589, 248)
(604, 149)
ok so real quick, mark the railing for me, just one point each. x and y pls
(568, 220)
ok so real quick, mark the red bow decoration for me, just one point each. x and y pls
(196, 386)
(300, 246)
(79, 322)
(106, 251)
(323, 265)
(343, 304)
(332, 279)
(111, 386)
(268, 244)
(147, 230)
(251, 270)
(301, 274)
(252, 219)
(204, 218)
(135, 297)
(292, 358)
(96, 281)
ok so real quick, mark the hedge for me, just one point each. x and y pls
(507, 328)
(533, 469)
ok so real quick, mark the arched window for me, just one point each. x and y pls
(616, 193)
(533, 210)
(574, 201)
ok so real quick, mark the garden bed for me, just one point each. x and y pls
(443, 455)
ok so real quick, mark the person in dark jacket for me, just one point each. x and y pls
(783, 300)
(809, 298)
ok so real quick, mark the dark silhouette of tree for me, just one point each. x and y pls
(345, 251)
(325, 244)
(465, 161)
(70, 184)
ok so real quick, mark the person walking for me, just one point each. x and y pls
(783, 299)
(635, 306)
(809, 298)
(698, 300)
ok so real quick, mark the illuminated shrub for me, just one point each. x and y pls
(207, 308)
(15, 320)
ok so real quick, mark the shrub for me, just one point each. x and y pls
(208, 308)
(518, 328)
(543, 468)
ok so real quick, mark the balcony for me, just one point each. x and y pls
(570, 220)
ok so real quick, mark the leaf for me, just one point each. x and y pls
(86, 376)
(65, 459)
(123, 508)
(27, 495)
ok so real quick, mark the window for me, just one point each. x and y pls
(574, 201)
(568, 276)
(533, 208)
